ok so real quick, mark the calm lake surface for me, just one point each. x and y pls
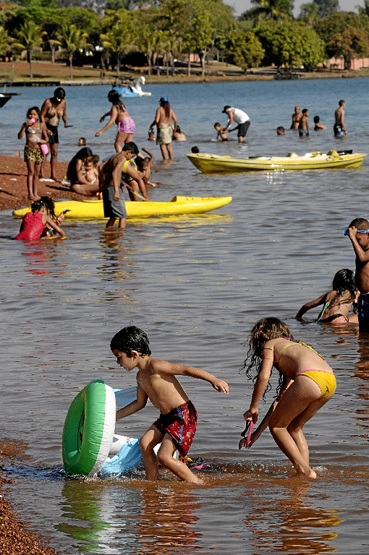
(196, 285)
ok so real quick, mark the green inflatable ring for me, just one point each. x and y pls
(89, 429)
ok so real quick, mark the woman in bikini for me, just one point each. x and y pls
(165, 128)
(306, 383)
(36, 134)
(119, 115)
(336, 303)
(51, 111)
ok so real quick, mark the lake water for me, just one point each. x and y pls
(196, 285)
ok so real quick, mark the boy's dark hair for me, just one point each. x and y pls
(131, 339)
(140, 162)
(131, 146)
(280, 128)
(341, 102)
(83, 140)
(195, 150)
(216, 124)
(305, 110)
(360, 223)
(316, 119)
(95, 159)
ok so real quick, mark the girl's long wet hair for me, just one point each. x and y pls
(263, 331)
(114, 98)
(344, 281)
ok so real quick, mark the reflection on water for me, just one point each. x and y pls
(196, 285)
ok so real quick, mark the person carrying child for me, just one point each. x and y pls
(222, 134)
(306, 383)
(337, 302)
(358, 232)
(36, 135)
(156, 380)
(36, 224)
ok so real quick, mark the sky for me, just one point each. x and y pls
(241, 6)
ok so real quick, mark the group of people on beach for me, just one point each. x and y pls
(300, 122)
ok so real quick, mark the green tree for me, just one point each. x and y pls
(278, 10)
(244, 49)
(364, 10)
(290, 44)
(118, 39)
(72, 39)
(336, 23)
(352, 43)
(326, 7)
(29, 38)
(5, 42)
(309, 13)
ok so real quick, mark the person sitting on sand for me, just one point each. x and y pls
(281, 131)
(36, 223)
(76, 173)
(222, 134)
(36, 134)
(91, 170)
(318, 126)
(337, 302)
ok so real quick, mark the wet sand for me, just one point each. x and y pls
(15, 536)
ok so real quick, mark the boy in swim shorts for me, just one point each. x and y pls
(358, 232)
(156, 380)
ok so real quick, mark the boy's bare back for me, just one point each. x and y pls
(360, 243)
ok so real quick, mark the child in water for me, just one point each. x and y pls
(306, 383)
(36, 135)
(36, 224)
(156, 380)
(221, 133)
(337, 302)
(144, 167)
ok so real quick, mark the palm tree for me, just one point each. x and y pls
(5, 42)
(71, 40)
(119, 38)
(29, 39)
(273, 9)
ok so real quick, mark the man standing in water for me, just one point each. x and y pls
(110, 182)
(339, 120)
(239, 117)
(296, 117)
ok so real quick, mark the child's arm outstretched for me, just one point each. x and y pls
(310, 305)
(193, 372)
(150, 154)
(136, 405)
(48, 221)
(260, 384)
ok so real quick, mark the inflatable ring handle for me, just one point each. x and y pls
(89, 429)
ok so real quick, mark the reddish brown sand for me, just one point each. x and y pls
(13, 183)
(15, 537)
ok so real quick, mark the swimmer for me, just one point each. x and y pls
(195, 150)
(304, 123)
(338, 302)
(151, 135)
(156, 380)
(178, 135)
(306, 383)
(358, 232)
(81, 141)
(36, 224)
(318, 126)
(281, 131)
(339, 127)
(222, 134)
(296, 117)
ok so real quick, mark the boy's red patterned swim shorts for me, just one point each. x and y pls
(181, 424)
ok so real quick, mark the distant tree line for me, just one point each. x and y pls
(111, 31)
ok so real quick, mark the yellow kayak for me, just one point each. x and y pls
(211, 163)
(93, 209)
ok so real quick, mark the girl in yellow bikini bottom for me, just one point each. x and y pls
(326, 381)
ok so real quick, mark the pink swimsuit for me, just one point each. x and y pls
(31, 228)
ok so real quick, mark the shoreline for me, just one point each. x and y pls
(16, 536)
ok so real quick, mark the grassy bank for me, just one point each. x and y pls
(18, 72)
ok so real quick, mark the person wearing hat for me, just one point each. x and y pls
(239, 117)
(163, 121)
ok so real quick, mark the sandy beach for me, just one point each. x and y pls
(13, 183)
